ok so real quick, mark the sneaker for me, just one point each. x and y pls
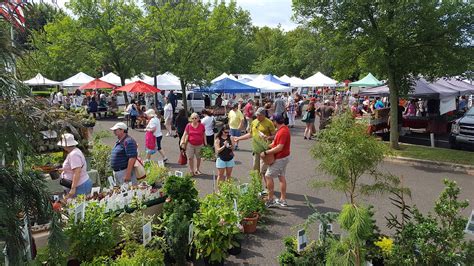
(305, 138)
(168, 134)
(165, 160)
(264, 192)
(282, 203)
(270, 204)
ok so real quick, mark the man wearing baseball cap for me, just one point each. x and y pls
(124, 155)
(280, 148)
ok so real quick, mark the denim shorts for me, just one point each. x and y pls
(83, 189)
(148, 151)
(224, 164)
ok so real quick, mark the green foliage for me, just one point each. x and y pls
(435, 239)
(346, 152)
(133, 254)
(208, 153)
(323, 218)
(259, 145)
(131, 225)
(155, 173)
(176, 226)
(215, 228)
(101, 159)
(249, 201)
(313, 254)
(57, 241)
(21, 194)
(181, 189)
(92, 237)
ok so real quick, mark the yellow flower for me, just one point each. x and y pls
(385, 244)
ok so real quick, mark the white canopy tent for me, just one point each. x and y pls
(285, 78)
(223, 76)
(112, 78)
(39, 80)
(166, 81)
(266, 86)
(141, 77)
(294, 81)
(318, 80)
(77, 80)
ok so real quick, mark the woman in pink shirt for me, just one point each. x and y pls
(74, 168)
(192, 141)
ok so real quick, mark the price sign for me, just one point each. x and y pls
(470, 224)
(79, 212)
(161, 163)
(178, 173)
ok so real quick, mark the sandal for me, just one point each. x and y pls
(198, 172)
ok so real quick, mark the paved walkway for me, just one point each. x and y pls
(263, 247)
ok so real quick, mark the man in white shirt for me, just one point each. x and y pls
(59, 97)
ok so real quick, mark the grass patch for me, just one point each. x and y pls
(435, 154)
(41, 93)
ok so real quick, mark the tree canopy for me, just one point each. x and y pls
(396, 40)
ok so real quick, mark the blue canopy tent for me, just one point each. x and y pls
(228, 85)
(276, 80)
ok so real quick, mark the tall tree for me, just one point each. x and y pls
(191, 40)
(397, 40)
(272, 51)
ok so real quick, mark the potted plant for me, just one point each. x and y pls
(260, 145)
(215, 229)
(250, 205)
(155, 174)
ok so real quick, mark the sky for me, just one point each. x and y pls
(263, 12)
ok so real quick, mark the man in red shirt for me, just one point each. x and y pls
(248, 113)
(280, 147)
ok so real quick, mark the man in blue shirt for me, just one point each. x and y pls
(124, 155)
(379, 104)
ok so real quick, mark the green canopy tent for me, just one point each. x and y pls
(367, 81)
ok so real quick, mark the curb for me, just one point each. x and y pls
(449, 167)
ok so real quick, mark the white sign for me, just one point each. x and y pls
(235, 205)
(111, 181)
(95, 190)
(55, 197)
(79, 212)
(178, 173)
(190, 233)
(329, 230)
(146, 233)
(161, 163)
(470, 224)
(302, 240)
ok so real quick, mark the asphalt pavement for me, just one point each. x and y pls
(263, 247)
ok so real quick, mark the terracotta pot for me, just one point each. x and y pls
(268, 159)
(250, 224)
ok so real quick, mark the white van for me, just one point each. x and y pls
(195, 101)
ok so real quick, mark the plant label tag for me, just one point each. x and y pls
(55, 197)
(302, 240)
(95, 190)
(146, 233)
(321, 230)
(235, 205)
(161, 163)
(112, 183)
(470, 224)
(178, 173)
(170, 174)
(190, 233)
(79, 212)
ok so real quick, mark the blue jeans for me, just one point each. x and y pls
(83, 189)
(235, 133)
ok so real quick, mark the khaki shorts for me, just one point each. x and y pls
(193, 151)
(278, 168)
(258, 161)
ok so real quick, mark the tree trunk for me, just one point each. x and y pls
(393, 88)
(122, 80)
(184, 97)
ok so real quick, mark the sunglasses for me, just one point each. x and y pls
(194, 118)
(226, 132)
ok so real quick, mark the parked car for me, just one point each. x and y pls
(195, 101)
(462, 131)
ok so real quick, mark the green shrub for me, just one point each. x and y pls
(92, 237)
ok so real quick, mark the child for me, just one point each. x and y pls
(150, 145)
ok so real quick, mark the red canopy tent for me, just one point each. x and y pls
(97, 84)
(139, 86)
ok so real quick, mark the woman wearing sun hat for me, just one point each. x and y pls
(74, 167)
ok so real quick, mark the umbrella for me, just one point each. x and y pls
(139, 86)
(97, 84)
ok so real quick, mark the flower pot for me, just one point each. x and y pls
(268, 159)
(250, 224)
